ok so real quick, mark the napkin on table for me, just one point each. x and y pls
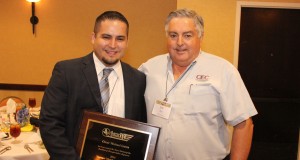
(10, 106)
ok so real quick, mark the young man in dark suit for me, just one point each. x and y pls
(75, 86)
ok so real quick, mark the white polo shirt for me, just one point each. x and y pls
(207, 98)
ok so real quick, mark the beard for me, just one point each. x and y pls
(109, 62)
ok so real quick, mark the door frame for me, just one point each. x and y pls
(239, 6)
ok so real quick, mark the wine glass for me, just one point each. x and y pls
(32, 102)
(15, 131)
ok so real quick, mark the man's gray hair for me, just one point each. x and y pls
(188, 14)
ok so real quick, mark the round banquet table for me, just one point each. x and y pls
(18, 152)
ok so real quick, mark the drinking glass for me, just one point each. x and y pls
(15, 131)
(32, 102)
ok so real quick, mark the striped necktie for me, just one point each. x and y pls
(104, 89)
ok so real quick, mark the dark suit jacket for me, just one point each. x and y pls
(74, 87)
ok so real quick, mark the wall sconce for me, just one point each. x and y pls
(33, 19)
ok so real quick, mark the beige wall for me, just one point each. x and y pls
(64, 31)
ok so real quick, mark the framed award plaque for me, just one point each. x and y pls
(105, 137)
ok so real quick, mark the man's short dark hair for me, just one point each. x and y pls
(110, 15)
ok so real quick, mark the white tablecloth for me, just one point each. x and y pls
(18, 152)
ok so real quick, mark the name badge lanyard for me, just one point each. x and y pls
(177, 81)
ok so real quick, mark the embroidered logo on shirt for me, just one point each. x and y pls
(202, 77)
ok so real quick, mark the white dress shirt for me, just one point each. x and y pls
(116, 102)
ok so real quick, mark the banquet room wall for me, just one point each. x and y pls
(64, 32)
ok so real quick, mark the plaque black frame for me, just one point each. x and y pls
(91, 118)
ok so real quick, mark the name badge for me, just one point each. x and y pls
(162, 109)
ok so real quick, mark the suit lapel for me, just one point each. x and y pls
(91, 76)
(127, 89)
